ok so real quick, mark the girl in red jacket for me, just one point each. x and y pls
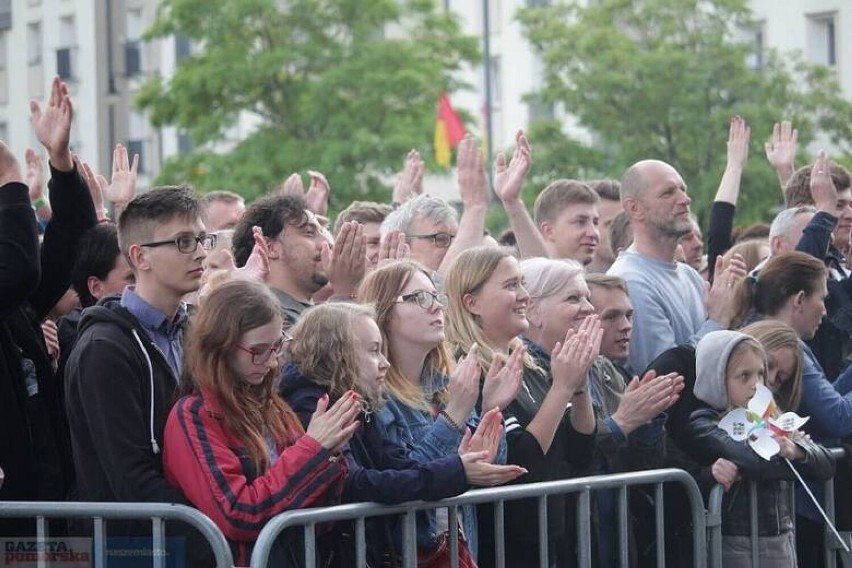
(233, 446)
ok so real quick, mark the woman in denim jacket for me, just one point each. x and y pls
(428, 406)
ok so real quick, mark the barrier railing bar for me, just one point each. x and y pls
(409, 539)
(100, 542)
(453, 515)
(622, 527)
(714, 525)
(159, 540)
(360, 543)
(167, 511)
(584, 538)
(504, 493)
(542, 534)
(660, 525)
(41, 537)
(500, 534)
(752, 514)
(311, 544)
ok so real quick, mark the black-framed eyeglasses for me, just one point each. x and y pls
(441, 240)
(424, 299)
(262, 356)
(187, 243)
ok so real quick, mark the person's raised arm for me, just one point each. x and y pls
(816, 236)
(19, 271)
(781, 151)
(473, 188)
(73, 211)
(122, 185)
(725, 202)
(35, 182)
(508, 182)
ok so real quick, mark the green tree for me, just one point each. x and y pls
(345, 87)
(661, 79)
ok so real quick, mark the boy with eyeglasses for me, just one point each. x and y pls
(123, 372)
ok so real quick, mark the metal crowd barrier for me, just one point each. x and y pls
(714, 520)
(359, 512)
(100, 512)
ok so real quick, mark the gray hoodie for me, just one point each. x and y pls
(711, 361)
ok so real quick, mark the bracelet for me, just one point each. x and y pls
(39, 203)
(449, 420)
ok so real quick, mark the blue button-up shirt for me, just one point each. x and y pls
(164, 332)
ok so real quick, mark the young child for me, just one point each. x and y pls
(729, 365)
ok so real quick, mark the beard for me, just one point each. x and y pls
(319, 279)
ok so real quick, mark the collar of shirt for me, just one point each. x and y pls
(150, 317)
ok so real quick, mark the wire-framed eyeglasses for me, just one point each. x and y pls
(187, 243)
(262, 356)
(424, 299)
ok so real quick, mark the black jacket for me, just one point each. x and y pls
(709, 443)
(570, 454)
(119, 390)
(34, 448)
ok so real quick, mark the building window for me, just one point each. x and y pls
(754, 40)
(66, 52)
(34, 43)
(822, 39)
(5, 14)
(133, 64)
(496, 76)
(183, 47)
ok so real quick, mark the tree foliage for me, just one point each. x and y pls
(345, 87)
(661, 79)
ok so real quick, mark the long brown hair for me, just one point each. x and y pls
(324, 346)
(774, 335)
(249, 411)
(381, 289)
(783, 276)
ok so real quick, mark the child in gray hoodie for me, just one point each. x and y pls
(729, 365)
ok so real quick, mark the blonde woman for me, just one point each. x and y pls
(337, 347)
(487, 305)
(429, 404)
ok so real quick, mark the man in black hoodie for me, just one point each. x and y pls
(123, 372)
(34, 448)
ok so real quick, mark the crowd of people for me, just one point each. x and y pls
(251, 359)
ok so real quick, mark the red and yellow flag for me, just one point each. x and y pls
(449, 131)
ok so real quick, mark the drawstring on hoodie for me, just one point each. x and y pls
(155, 447)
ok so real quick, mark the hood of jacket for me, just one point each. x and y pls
(711, 361)
(108, 309)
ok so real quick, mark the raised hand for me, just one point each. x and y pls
(739, 135)
(347, 262)
(35, 175)
(781, 149)
(572, 358)
(725, 473)
(823, 190)
(487, 437)
(473, 183)
(503, 380)
(643, 400)
(463, 387)
(257, 266)
(318, 192)
(509, 179)
(97, 185)
(720, 303)
(10, 171)
(393, 247)
(333, 427)
(409, 182)
(52, 125)
(292, 186)
(122, 186)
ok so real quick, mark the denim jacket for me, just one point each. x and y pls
(427, 438)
